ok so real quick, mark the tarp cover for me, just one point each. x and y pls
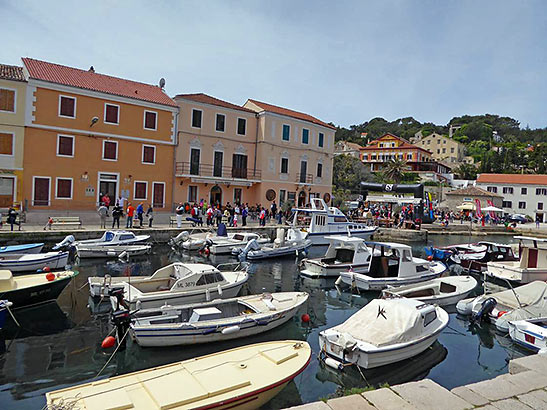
(385, 322)
(530, 294)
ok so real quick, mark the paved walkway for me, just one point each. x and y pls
(523, 388)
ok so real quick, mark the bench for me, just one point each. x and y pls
(172, 220)
(61, 221)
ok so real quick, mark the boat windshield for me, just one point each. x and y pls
(108, 236)
(208, 278)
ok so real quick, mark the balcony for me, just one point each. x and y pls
(191, 170)
(304, 178)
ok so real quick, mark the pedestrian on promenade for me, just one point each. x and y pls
(103, 213)
(49, 223)
(121, 201)
(538, 221)
(12, 218)
(106, 200)
(150, 215)
(179, 211)
(130, 215)
(273, 209)
(218, 215)
(117, 213)
(262, 217)
(244, 214)
(140, 214)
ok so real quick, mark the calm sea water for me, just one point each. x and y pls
(58, 344)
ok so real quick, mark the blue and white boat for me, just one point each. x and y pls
(4, 306)
(33, 262)
(530, 333)
(321, 221)
(19, 249)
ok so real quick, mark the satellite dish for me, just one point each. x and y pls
(162, 82)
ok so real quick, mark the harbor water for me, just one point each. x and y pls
(59, 344)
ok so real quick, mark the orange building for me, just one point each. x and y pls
(88, 135)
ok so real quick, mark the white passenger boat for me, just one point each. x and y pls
(294, 242)
(344, 253)
(440, 291)
(112, 251)
(178, 283)
(246, 377)
(392, 264)
(524, 302)
(384, 331)
(34, 261)
(531, 266)
(322, 221)
(530, 333)
(219, 320)
(109, 238)
(20, 249)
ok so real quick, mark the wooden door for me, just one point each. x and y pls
(41, 191)
(159, 195)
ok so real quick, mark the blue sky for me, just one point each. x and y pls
(342, 61)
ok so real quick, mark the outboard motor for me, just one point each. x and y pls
(179, 239)
(121, 317)
(69, 240)
(252, 245)
(486, 308)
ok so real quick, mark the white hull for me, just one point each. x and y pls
(113, 251)
(321, 238)
(530, 334)
(33, 262)
(364, 282)
(510, 271)
(21, 249)
(226, 248)
(269, 252)
(314, 269)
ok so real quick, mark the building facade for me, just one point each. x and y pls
(443, 148)
(88, 135)
(12, 133)
(522, 193)
(471, 194)
(347, 148)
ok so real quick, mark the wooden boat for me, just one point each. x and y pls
(112, 251)
(246, 377)
(294, 242)
(530, 333)
(4, 306)
(34, 261)
(109, 238)
(18, 249)
(391, 264)
(440, 291)
(215, 321)
(177, 283)
(384, 331)
(343, 253)
(28, 290)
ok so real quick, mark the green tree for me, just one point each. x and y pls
(395, 170)
(466, 171)
(348, 172)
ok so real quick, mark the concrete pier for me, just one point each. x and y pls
(523, 388)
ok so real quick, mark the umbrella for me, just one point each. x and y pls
(467, 206)
(491, 208)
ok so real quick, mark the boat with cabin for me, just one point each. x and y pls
(493, 252)
(109, 238)
(29, 262)
(391, 264)
(84, 252)
(321, 221)
(293, 243)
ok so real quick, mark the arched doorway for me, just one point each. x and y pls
(301, 199)
(216, 196)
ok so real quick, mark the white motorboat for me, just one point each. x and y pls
(384, 331)
(34, 261)
(524, 302)
(219, 245)
(344, 253)
(112, 251)
(530, 333)
(392, 264)
(294, 242)
(109, 238)
(477, 262)
(20, 249)
(177, 283)
(189, 242)
(215, 321)
(322, 221)
(440, 291)
(531, 266)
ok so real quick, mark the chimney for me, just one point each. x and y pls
(91, 69)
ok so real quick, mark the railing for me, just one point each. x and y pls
(212, 171)
(304, 178)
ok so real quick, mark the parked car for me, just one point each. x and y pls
(519, 218)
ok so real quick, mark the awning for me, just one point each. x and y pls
(467, 206)
(491, 208)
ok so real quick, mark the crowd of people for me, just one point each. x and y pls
(122, 207)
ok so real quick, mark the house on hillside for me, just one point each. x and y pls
(470, 194)
(443, 148)
(347, 148)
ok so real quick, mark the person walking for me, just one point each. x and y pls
(130, 215)
(103, 213)
(262, 217)
(150, 215)
(106, 201)
(178, 212)
(12, 218)
(273, 209)
(538, 221)
(244, 214)
(140, 214)
(117, 213)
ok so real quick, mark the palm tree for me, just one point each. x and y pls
(395, 170)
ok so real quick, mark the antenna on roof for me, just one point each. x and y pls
(91, 69)
(162, 83)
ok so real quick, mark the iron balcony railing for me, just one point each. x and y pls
(215, 171)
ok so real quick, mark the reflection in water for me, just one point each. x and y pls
(59, 344)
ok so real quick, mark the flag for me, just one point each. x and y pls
(478, 212)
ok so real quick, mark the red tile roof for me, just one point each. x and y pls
(11, 72)
(207, 99)
(473, 191)
(290, 113)
(90, 80)
(530, 179)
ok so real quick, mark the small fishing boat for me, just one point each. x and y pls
(4, 306)
(112, 251)
(384, 331)
(477, 262)
(26, 290)
(530, 333)
(34, 261)
(214, 321)
(221, 245)
(391, 264)
(19, 249)
(246, 377)
(294, 242)
(109, 238)
(440, 291)
(344, 253)
(177, 283)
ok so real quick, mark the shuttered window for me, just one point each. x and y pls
(7, 100)
(111, 113)
(140, 190)
(150, 120)
(148, 154)
(65, 145)
(64, 188)
(6, 143)
(67, 107)
(110, 150)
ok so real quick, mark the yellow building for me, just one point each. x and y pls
(12, 132)
(443, 148)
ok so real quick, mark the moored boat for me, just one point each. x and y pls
(477, 263)
(112, 251)
(34, 261)
(530, 333)
(19, 249)
(246, 377)
(109, 238)
(294, 242)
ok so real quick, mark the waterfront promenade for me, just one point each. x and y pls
(523, 388)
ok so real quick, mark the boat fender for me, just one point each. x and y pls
(305, 318)
(50, 277)
(501, 313)
(113, 253)
(207, 295)
(486, 307)
(334, 364)
(338, 281)
(219, 290)
(231, 329)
